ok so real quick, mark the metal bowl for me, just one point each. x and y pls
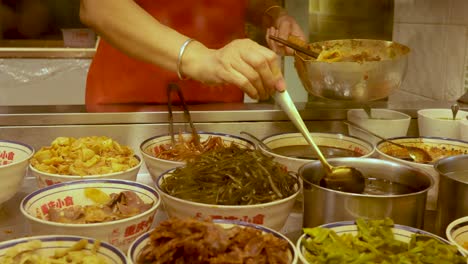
(356, 81)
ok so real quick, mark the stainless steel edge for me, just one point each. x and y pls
(249, 112)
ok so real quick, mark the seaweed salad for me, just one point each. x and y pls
(231, 176)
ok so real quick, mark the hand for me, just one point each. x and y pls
(284, 25)
(244, 63)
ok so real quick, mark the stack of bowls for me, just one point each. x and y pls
(119, 233)
(14, 160)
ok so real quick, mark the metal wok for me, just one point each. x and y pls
(358, 80)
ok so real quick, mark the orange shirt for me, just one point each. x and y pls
(115, 78)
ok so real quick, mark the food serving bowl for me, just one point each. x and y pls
(157, 166)
(401, 233)
(436, 147)
(391, 190)
(457, 233)
(357, 79)
(141, 242)
(272, 214)
(49, 244)
(92, 157)
(14, 159)
(440, 123)
(44, 179)
(384, 122)
(36, 207)
(293, 151)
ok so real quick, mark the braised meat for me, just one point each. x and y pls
(121, 205)
(204, 242)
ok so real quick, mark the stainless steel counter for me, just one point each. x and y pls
(131, 125)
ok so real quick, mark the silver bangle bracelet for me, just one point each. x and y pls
(179, 59)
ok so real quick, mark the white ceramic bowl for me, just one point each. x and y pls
(157, 166)
(426, 143)
(51, 243)
(463, 126)
(138, 245)
(272, 215)
(457, 233)
(44, 179)
(401, 233)
(439, 123)
(14, 160)
(361, 147)
(385, 122)
(119, 233)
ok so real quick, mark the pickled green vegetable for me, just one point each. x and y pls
(231, 176)
(375, 243)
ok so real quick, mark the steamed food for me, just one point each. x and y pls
(27, 253)
(375, 243)
(197, 242)
(230, 176)
(84, 156)
(107, 207)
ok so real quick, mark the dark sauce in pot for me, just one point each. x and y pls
(375, 186)
(306, 152)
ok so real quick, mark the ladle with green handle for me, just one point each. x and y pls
(417, 154)
(342, 178)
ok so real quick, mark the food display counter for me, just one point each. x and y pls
(131, 125)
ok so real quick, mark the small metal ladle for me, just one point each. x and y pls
(342, 178)
(417, 154)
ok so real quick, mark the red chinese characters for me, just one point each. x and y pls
(50, 182)
(59, 203)
(6, 157)
(138, 228)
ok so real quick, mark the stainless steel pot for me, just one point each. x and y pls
(453, 191)
(403, 200)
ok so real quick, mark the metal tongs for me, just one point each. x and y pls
(174, 87)
(295, 47)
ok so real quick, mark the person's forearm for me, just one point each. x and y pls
(131, 29)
